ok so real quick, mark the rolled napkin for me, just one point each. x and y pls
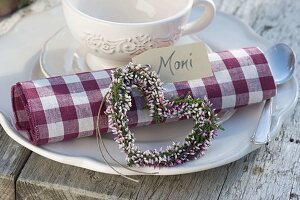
(66, 107)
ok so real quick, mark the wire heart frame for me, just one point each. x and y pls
(119, 101)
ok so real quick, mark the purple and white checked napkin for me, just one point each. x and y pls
(65, 107)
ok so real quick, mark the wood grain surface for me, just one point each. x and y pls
(272, 172)
(12, 159)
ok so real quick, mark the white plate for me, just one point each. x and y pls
(19, 53)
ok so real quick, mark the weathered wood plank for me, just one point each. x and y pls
(42, 178)
(272, 172)
(295, 193)
(12, 159)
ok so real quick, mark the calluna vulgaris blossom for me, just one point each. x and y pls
(119, 102)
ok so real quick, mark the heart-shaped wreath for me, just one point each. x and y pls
(119, 102)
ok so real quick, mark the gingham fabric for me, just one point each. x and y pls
(64, 108)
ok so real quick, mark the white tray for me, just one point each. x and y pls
(19, 53)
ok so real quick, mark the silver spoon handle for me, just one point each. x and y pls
(262, 133)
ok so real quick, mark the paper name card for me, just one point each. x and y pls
(178, 63)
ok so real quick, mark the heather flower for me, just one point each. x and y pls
(119, 100)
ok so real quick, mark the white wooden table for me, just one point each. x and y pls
(272, 172)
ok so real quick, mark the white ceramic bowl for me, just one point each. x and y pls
(114, 30)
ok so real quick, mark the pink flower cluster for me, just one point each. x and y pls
(119, 102)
